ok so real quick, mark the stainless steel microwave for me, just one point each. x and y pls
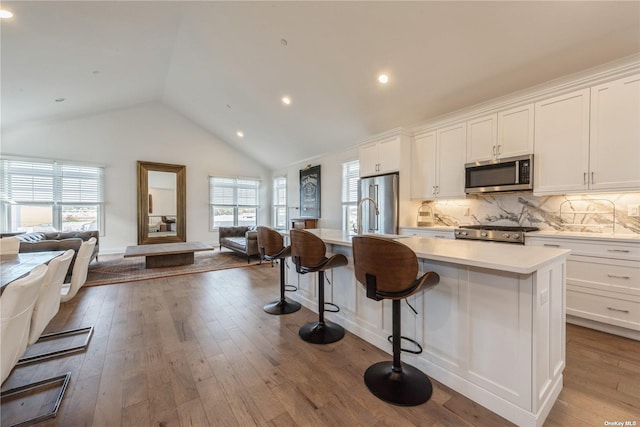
(510, 174)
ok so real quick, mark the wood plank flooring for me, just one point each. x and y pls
(198, 350)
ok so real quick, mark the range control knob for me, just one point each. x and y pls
(484, 234)
(515, 235)
(505, 235)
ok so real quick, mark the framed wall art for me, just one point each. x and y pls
(310, 192)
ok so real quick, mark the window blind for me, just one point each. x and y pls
(50, 182)
(232, 191)
(350, 176)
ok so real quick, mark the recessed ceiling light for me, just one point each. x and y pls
(286, 100)
(240, 134)
(60, 99)
(5, 14)
(383, 78)
(284, 42)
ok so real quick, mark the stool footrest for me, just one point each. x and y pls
(335, 308)
(406, 350)
(290, 288)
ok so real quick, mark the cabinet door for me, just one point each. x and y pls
(561, 160)
(482, 139)
(515, 132)
(369, 159)
(615, 135)
(451, 143)
(389, 155)
(423, 161)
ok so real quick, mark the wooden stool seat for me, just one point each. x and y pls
(271, 247)
(389, 269)
(309, 254)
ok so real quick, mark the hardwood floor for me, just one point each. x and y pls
(198, 350)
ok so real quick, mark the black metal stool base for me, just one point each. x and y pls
(321, 333)
(410, 387)
(282, 307)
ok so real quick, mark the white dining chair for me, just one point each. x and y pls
(79, 272)
(48, 301)
(17, 303)
(9, 245)
(16, 307)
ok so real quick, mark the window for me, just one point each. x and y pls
(350, 176)
(234, 201)
(280, 202)
(46, 195)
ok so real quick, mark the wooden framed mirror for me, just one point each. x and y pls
(162, 210)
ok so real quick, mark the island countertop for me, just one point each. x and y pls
(493, 255)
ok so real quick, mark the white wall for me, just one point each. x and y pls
(148, 132)
(330, 186)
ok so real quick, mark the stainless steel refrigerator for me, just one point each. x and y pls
(384, 190)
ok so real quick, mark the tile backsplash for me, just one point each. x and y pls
(597, 213)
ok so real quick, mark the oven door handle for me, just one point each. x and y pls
(517, 171)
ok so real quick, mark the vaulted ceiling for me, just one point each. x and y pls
(226, 65)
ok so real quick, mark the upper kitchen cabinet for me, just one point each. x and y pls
(561, 157)
(437, 163)
(507, 133)
(515, 132)
(589, 140)
(381, 156)
(482, 134)
(615, 135)
(423, 171)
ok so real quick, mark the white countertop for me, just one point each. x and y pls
(499, 256)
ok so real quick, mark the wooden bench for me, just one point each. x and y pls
(167, 254)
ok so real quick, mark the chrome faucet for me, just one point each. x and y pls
(375, 205)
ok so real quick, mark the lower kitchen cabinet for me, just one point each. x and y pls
(603, 283)
(427, 232)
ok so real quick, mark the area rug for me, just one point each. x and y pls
(117, 269)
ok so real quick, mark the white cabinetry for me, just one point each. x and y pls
(515, 131)
(425, 232)
(561, 159)
(615, 135)
(437, 163)
(589, 140)
(423, 161)
(450, 161)
(500, 135)
(482, 134)
(603, 283)
(380, 156)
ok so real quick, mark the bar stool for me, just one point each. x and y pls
(271, 247)
(388, 269)
(308, 252)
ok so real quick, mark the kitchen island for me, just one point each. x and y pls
(493, 329)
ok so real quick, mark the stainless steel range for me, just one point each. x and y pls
(493, 233)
